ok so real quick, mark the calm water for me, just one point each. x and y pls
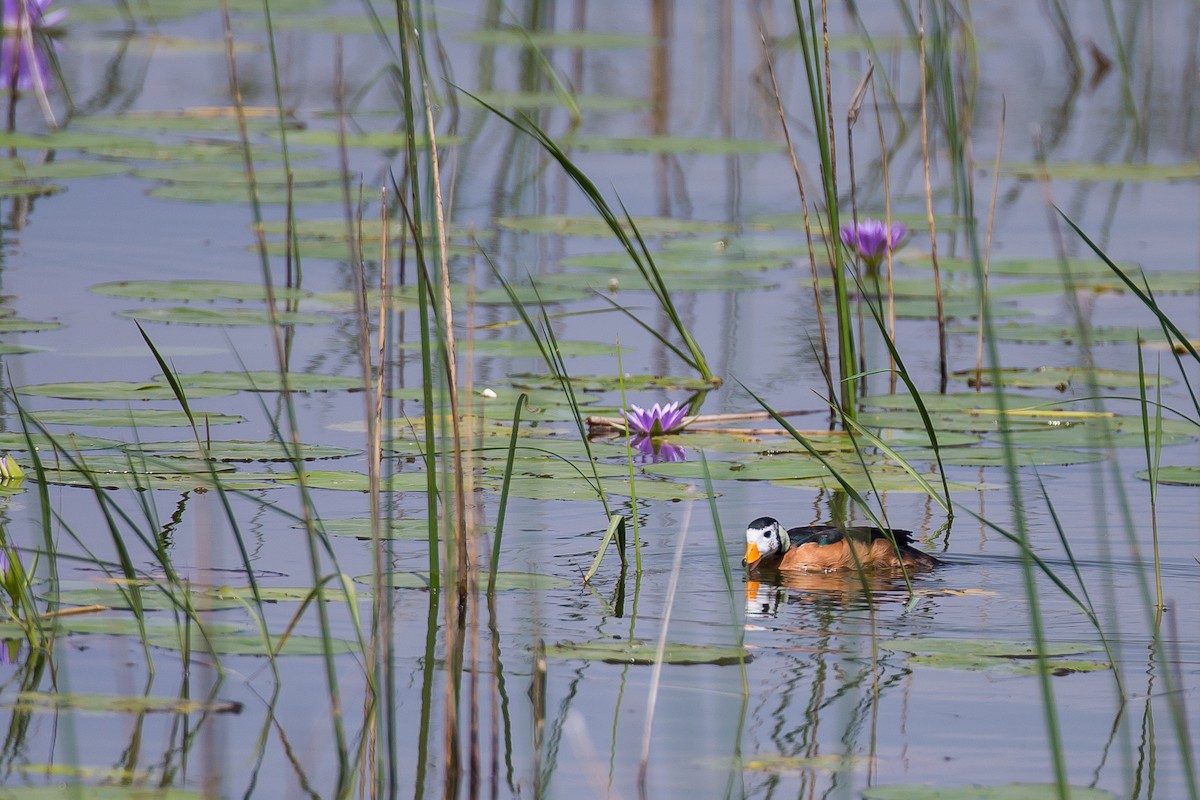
(822, 683)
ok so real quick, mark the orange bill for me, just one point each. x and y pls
(751, 554)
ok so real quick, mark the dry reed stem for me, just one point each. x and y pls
(944, 377)
(887, 223)
(852, 113)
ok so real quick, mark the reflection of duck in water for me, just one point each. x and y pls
(826, 548)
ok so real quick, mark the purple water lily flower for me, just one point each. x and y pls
(655, 421)
(871, 241)
(657, 451)
(39, 15)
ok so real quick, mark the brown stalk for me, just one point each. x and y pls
(887, 223)
(851, 118)
(943, 373)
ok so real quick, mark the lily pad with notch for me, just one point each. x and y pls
(613, 651)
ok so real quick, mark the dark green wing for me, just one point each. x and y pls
(830, 534)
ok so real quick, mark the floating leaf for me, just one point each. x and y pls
(883, 479)
(73, 170)
(562, 38)
(189, 120)
(1036, 267)
(269, 381)
(1101, 434)
(609, 383)
(504, 580)
(1007, 791)
(190, 315)
(276, 594)
(195, 291)
(354, 481)
(252, 644)
(1175, 476)
(954, 401)
(120, 704)
(673, 145)
(613, 651)
(19, 349)
(1076, 171)
(765, 469)
(18, 325)
(234, 194)
(134, 417)
(244, 451)
(94, 791)
(579, 489)
(594, 226)
(523, 348)
(781, 763)
(236, 176)
(1053, 334)
(154, 597)
(994, 456)
(1060, 378)
(360, 527)
(71, 442)
(1011, 657)
(113, 390)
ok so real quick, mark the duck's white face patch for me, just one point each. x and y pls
(764, 538)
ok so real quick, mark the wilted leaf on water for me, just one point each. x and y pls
(114, 390)
(614, 651)
(191, 315)
(504, 580)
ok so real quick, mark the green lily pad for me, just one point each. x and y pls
(119, 704)
(269, 381)
(113, 390)
(1076, 171)
(141, 464)
(210, 120)
(252, 644)
(1053, 334)
(1010, 657)
(135, 417)
(70, 442)
(94, 791)
(152, 599)
(234, 450)
(610, 383)
(236, 176)
(765, 469)
(235, 194)
(771, 762)
(994, 456)
(883, 479)
(354, 481)
(1032, 267)
(360, 528)
(73, 170)
(174, 482)
(7, 349)
(276, 594)
(373, 140)
(673, 145)
(194, 291)
(614, 651)
(954, 401)
(120, 623)
(1101, 433)
(1007, 791)
(523, 348)
(189, 315)
(1174, 476)
(562, 38)
(579, 489)
(18, 325)
(504, 580)
(542, 467)
(1060, 378)
(594, 226)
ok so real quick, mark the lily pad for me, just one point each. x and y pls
(120, 704)
(236, 176)
(252, 644)
(269, 381)
(354, 481)
(528, 101)
(190, 315)
(883, 479)
(1060, 378)
(594, 226)
(152, 599)
(1010, 657)
(114, 390)
(1124, 173)
(1175, 476)
(673, 145)
(276, 594)
(610, 383)
(1033, 267)
(1053, 334)
(195, 291)
(1007, 791)
(235, 194)
(954, 401)
(7, 349)
(71, 442)
(613, 651)
(765, 469)
(579, 489)
(360, 528)
(135, 417)
(504, 580)
(18, 325)
(994, 456)
(234, 450)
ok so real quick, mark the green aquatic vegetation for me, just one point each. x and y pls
(268, 381)
(1059, 378)
(237, 317)
(591, 226)
(636, 652)
(1171, 475)
(137, 417)
(502, 581)
(187, 291)
(113, 390)
(236, 450)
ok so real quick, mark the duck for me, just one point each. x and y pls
(828, 548)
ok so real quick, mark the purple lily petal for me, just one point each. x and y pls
(38, 12)
(871, 239)
(657, 451)
(656, 421)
